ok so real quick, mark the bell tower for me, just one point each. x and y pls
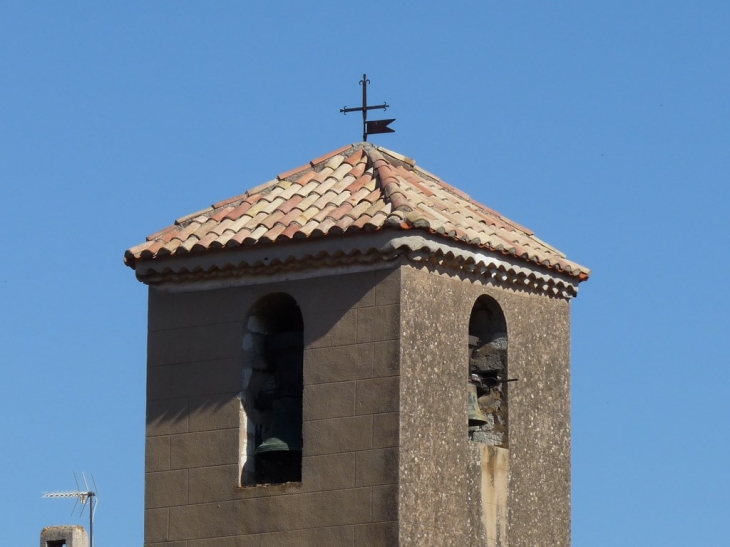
(356, 354)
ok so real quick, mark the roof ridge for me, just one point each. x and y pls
(389, 183)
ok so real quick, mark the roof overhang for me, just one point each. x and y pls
(332, 256)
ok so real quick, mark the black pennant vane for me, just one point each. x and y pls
(378, 126)
(370, 127)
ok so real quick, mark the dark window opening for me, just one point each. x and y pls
(272, 399)
(56, 543)
(487, 383)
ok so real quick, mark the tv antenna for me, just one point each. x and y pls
(84, 497)
(370, 127)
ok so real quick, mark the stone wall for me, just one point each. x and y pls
(442, 498)
(387, 458)
(348, 493)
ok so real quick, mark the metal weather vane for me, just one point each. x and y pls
(370, 127)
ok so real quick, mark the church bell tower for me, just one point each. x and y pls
(356, 354)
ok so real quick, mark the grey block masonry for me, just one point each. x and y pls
(386, 460)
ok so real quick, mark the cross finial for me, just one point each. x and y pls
(375, 126)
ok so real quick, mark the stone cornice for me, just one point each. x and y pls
(324, 257)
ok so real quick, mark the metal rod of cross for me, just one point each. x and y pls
(372, 127)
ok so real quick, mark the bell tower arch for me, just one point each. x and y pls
(271, 396)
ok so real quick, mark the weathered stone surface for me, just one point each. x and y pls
(385, 430)
(206, 448)
(338, 364)
(378, 323)
(329, 472)
(338, 435)
(197, 426)
(157, 454)
(380, 534)
(335, 400)
(337, 536)
(191, 344)
(209, 484)
(334, 328)
(167, 416)
(71, 536)
(386, 358)
(385, 503)
(214, 412)
(387, 291)
(193, 379)
(338, 293)
(376, 467)
(377, 395)
(387, 458)
(156, 525)
(434, 450)
(166, 489)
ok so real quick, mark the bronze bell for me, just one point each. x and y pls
(279, 457)
(285, 433)
(476, 416)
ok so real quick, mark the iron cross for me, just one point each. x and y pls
(375, 126)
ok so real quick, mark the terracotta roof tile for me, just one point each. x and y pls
(323, 227)
(273, 233)
(342, 224)
(335, 161)
(357, 187)
(306, 229)
(165, 232)
(236, 213)
(257, 207)
(285, 175)
(325, 186)
(271, 219)
(240, 236)
(290, 192)
(222, 226)
(271, 207)
(360, 182)
(306, 177)
(222, 239)
(360, 207)
(355, 158)
(306, 216)
(324, 213)
(187, 245)
(341, 211)
(290, 230)
(255, 235)
(262, 189)
(325, 157)
(360, 222)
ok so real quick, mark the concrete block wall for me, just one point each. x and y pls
(67, 536)
(348, 495)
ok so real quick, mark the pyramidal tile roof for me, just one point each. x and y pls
(355, 189)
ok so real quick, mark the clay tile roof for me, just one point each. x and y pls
(361, 187)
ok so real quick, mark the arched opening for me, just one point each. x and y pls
(271, 399)
(487, 385)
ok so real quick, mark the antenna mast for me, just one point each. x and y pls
(87, 496)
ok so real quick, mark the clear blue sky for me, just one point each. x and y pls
(601, 126)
